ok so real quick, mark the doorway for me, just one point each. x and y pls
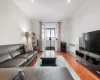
(50, 39)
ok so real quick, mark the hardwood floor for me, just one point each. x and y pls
(82, 72)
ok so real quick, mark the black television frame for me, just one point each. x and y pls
(92, 42)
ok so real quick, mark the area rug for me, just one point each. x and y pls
(61, 62)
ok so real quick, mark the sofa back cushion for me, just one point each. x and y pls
(4, 57)
(15, 47)
(3, 49)
(15, 53)
(10, 48)
(22, 51)
(10, 51)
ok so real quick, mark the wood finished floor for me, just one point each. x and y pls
(82, 72)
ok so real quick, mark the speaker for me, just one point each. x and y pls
(63, 46)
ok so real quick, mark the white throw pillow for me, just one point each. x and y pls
(28, 48)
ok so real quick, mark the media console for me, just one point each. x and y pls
(89, 60)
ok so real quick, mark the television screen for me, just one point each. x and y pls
(82, 42)
(87, 41)
(90, 42)
(94, 42)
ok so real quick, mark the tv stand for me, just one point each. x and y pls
(89, 60)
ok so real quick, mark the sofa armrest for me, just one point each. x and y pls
(9, 73)
(35, 48)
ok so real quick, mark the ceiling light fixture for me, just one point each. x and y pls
(62, 14)
(38, 14)
(32, 1)
(68, 1)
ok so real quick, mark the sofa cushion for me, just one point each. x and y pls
(30, 52)
(14, 47)
(28, 56)
(4, 57)
(3, 49)
(15, 53)
(9, 48)
(13, 63)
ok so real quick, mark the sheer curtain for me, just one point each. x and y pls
(59, 36)
(40, 41)
(42, 37)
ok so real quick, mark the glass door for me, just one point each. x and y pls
(50, 39)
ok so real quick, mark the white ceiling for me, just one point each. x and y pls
(49, 10)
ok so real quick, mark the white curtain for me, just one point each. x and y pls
(40, 41)
(59, 36)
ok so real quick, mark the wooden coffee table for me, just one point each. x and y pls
(48, 58)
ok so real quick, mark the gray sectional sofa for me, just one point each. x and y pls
(15, 56)
(35, 73)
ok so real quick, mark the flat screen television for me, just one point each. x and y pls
(90, 42)
(94, 42)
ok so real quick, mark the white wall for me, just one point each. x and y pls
(86, 19)
(65, 31)
(12, 23)
(36, 28)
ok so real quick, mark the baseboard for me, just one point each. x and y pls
(71, 53)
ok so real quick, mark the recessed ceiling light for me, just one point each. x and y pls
(68, 1)
(62, 14)
(38, 14)
(32, 1)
